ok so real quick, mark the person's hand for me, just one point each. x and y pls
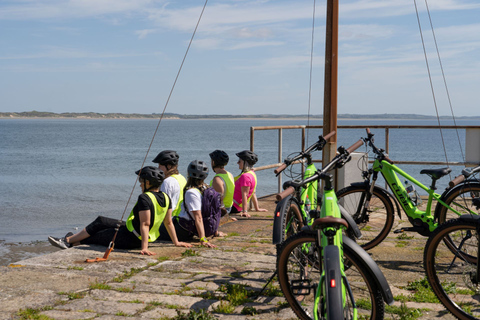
(245, 214)
(207, 244)
(184, 244)
(147, 252)
(220, 234)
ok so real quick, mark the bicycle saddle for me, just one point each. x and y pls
(436, 173)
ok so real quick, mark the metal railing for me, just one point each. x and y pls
(387, 129)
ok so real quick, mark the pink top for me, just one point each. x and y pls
(246, 179)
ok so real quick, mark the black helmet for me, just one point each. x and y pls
(198, 169)
(248, 156)
(152, 174)
(220, 158)
(167, 157)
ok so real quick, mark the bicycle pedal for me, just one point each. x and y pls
(408, 229)
(301, 287)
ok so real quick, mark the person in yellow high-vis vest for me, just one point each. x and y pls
(223, 181)
(174, 182)
(142, 226)
(245, 184)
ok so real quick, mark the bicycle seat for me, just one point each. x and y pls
(329, 221)
(436, 173)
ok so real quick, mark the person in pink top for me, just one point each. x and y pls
(245, 184)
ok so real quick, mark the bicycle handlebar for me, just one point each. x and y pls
(316, 146)
(467, 172)
(355, 146)
(282, 195)
(456, 181)
(322, 174)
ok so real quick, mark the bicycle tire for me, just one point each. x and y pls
(331, 258)
(375, 224)
(292, 221)
(298, 268)
(460, 198)
(450, 278)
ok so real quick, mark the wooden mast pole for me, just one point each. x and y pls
(331, 79)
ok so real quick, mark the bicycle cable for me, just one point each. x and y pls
(311, 70)
(161, 117)
(431, 83)
(445, 82)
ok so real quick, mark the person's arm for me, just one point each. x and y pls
(197, 215)
(245, 190)
(217, 184)
(144, 229)
(171, 230)
(255, 203)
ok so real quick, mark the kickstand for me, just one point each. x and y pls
(268, 282)
(105, 256)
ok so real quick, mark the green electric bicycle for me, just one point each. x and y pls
(323, 274)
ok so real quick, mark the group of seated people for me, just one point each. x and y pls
(167, 198)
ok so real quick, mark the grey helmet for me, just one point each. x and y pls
(167, 157)
(152, 174)
(219, 157)
(197, 169)
(248, 156)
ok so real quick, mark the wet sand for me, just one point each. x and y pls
(13, 252)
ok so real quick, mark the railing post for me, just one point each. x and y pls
(280, 151)
(252, 133)
(387, 139)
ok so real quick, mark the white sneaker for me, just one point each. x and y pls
(60, 242)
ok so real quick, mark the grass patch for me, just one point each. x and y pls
(163, 258)
(190, 253)
(128, 274)
(30, 313)
(421, 292)
(404, 236)
(75, 268)
(403, 312)
(99, 286)
(224, 307)
(251, 311)
(73, 295)
(194, 315)
(401, 244)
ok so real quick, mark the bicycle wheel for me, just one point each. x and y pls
(299, 275)
(451, 274)
(465, 198)
(293, 221)
(376, 222)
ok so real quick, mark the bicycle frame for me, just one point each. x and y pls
(389, 172)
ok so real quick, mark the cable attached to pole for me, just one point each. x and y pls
(112, 243)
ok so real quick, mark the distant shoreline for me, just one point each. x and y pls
(173, 116)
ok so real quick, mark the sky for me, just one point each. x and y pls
(247, 56)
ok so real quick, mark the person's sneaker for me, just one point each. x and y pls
(60, 242)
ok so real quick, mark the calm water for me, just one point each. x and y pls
(58, 175)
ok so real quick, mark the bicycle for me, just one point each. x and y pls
(454, 275)
(300, 209)
(373, 209)
(320, 270)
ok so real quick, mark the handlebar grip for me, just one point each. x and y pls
(355, 146)
(282, 195)
(280, 169)
(328, 136)
(456, 181)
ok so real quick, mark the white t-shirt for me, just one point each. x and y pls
(193, 201)
(171, 187)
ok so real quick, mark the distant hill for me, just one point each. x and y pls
(94, 115)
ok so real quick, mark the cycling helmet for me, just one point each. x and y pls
(167, 157)
(219, 157)
(197, 169)
(248, 156)
(152, 174)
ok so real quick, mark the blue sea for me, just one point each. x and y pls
(57, 175)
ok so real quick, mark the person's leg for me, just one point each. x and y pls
(98, 225)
